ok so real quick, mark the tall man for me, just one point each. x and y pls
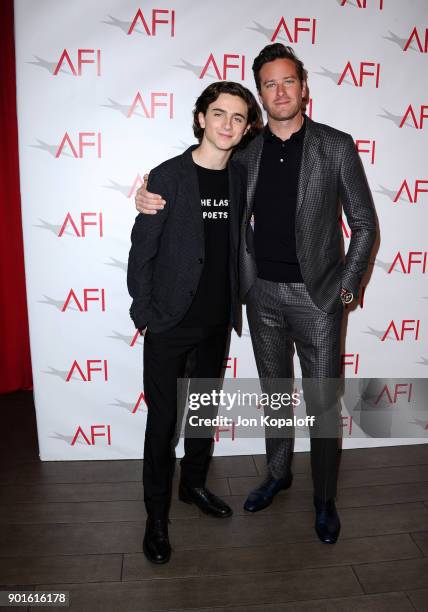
(182, 276)
(292, 274)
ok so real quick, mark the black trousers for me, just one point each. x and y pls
(165, 358)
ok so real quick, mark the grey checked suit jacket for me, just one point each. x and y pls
(331, 177)
(168, 249)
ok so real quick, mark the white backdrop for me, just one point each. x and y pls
(105, 92)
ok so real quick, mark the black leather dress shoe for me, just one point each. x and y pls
(327, 522)
(262, 497)
(156, 544)
(205, 500)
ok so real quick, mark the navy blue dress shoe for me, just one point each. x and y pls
(327, 522)
(204, 500)
(156, 546)
(262, 497)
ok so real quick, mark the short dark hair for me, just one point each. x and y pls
(210, 95)
(273, 52)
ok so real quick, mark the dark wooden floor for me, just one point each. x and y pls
(78, 526)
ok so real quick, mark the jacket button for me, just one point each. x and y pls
(200, 260)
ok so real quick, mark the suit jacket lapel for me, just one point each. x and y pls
(191, 187)
(254, 157)
(310, 156)
(234, 204)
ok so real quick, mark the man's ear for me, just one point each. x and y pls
(304, 89)
(201, 119)
(247, 128)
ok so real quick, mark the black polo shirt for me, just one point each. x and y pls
(275, 207)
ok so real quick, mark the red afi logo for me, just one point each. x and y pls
(229, 62)
(92, 365)
(157, 100)
(407, 325)
(417, 190)
(301, 24)
(81, 53)
(414, 36)
(89, 295)
(363, 71)
(392, 395)
(361, 148)
(363, 3)
(93, 433)
(350, 359)
(423, 114)
(82, 144)
(418, 258)
(82, 224)
(150, 25)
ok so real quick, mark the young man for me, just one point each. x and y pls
(293, 276)
(182, 276)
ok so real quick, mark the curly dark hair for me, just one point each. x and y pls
(273, 52)
(210, 95)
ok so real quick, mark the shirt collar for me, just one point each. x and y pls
(296, 137)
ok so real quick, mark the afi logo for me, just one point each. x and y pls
(229, 61)
(414, 258)
(363, 3)
(79, 227)
(292, 31)
(138, 181)
(364, 70)
(82, 143)
(391, 395)
(367, 146)
(156, 100)
(219, 430)
(135, 338)
(345, 229)
(92, 365)
(415, 36)
(94, 58)
(423, 114)
(89, 295)
(157, 17)
(346, 422)
(141, 398)
(417, 190)
(407, 325)
(93, 433)
(350, 359)
(231, 363)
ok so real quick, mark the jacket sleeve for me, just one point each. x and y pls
(358, 206)
(145, 239)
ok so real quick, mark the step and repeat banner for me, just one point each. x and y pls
(105, 92)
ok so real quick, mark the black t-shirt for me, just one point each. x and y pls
(275, 207)
(212, 302)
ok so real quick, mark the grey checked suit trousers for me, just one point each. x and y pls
(282, 316)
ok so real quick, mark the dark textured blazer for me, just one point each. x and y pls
(331, 178)
(168, 249)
